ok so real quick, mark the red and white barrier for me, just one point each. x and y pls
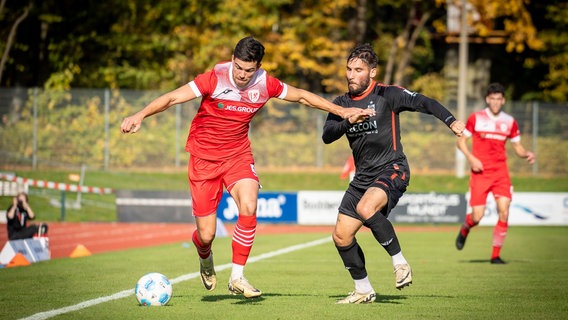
(55, 185)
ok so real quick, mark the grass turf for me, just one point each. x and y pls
(304, 284)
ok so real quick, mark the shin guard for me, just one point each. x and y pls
(384, 233)
(353, 260)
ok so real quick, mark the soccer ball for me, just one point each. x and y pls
(153, 289)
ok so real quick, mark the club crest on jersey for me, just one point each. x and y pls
(253, 95)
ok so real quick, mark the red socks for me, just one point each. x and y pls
(243, 237)
(202, 250)
(468, 224)
(499, 234)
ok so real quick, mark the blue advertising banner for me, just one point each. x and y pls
(273, 207)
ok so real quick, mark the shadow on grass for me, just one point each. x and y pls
(487, 261)
(380, 298)
(239, 299)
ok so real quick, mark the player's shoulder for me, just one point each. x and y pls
(505, 116)
(479, 113)
(222, 65)
(343, 100)
(394, 90)
(485, 113)
(222, 68)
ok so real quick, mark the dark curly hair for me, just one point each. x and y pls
(365, 53)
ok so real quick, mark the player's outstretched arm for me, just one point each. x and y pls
(133, 123)
(521, 152)
(313, 100)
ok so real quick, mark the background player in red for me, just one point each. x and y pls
(489, 129)
(382, 172)
(220, 153)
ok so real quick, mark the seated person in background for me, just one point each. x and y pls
(17, 217)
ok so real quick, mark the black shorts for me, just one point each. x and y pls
(393, 180)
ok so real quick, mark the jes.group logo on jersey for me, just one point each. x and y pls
(271, 207)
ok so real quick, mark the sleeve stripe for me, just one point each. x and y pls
(284, 91)
(193, 87)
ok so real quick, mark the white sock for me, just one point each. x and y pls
(237, 271)
(363, 285)
(398, 259)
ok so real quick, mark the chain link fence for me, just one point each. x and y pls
(70, 129)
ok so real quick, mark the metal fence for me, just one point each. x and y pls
(81, 127)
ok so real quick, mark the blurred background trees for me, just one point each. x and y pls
(71, 70)
(146, 44)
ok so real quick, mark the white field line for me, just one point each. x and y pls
(126, 293)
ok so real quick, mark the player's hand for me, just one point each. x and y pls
(356, 115)
(530, 157)
(131, 124)
(476, 165)
(457, 128)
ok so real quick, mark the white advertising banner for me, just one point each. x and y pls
(527, 208)
(531, 209)
(318, 207)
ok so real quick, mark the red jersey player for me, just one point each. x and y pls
(490, 128)
(220, 153)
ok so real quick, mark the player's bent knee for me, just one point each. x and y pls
(341, 240)
(207, 237)
(365, 212)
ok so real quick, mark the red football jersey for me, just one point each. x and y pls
(489, 134)
(220, 127)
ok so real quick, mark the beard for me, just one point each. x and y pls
(358, 89)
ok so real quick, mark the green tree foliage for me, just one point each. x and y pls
(555, 83)
(512, 17)
(145, 44)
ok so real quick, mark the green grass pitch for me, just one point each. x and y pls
(304, 284)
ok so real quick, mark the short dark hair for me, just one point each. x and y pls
(365, 53)
(495, 87)
(22, 194)
(249, 49)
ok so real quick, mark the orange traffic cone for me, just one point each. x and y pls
(80, 251)
(17, 261)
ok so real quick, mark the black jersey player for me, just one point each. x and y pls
(382, 172)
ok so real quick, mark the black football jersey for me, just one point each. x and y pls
(375, 143)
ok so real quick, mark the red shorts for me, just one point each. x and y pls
(496, 182)
(207, 178)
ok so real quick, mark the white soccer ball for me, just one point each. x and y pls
(153, 289)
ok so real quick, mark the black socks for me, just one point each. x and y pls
(384, 233)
